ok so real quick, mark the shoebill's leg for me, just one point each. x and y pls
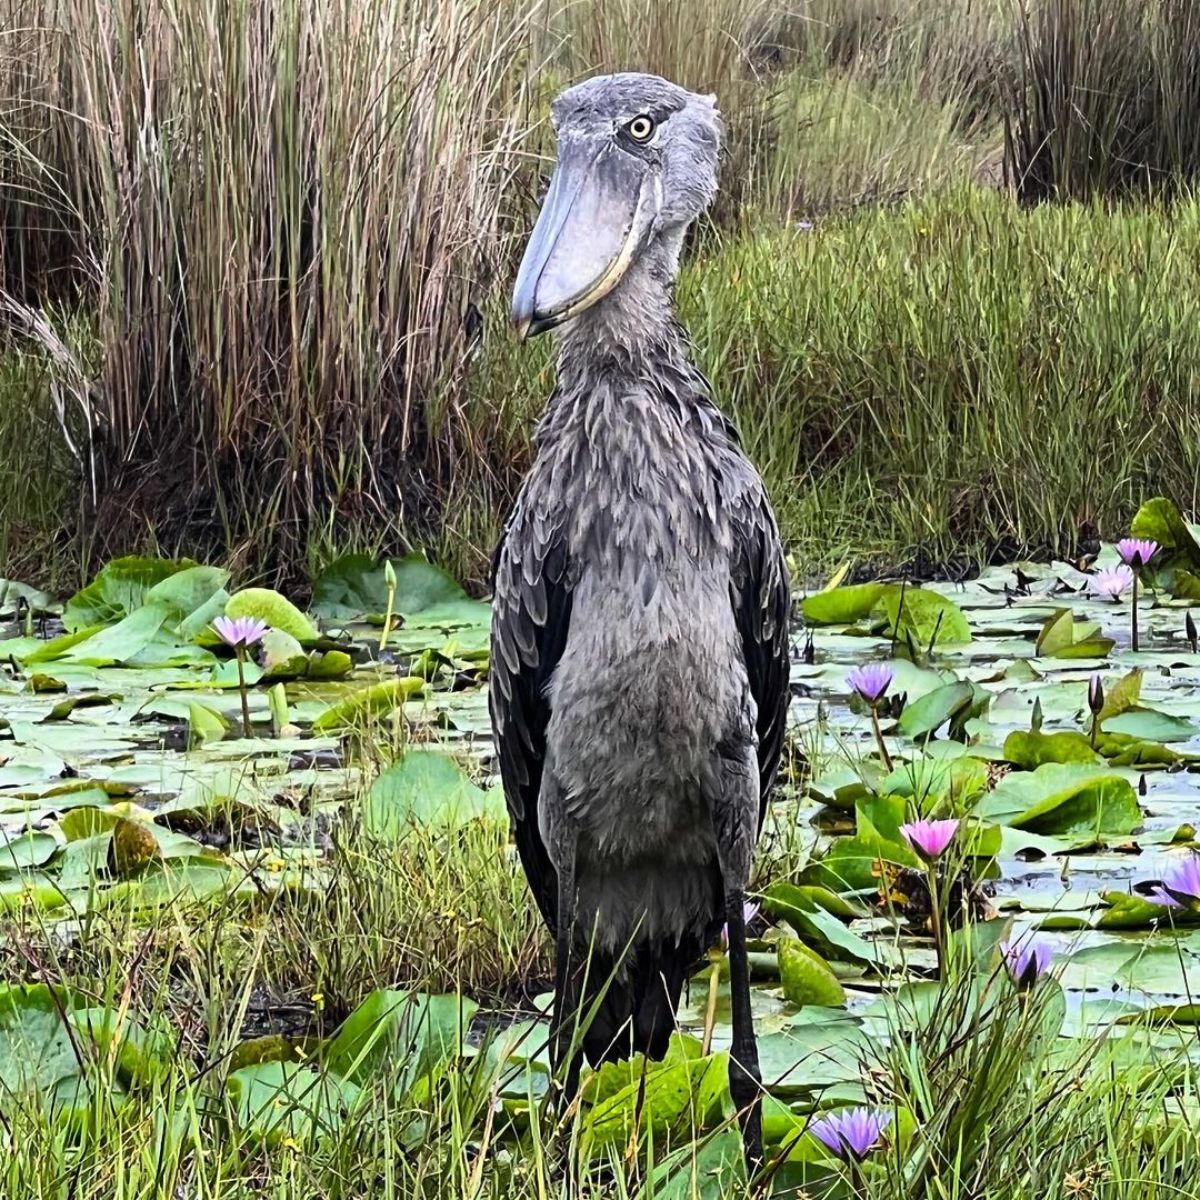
(733, 789)
(745, 1080)
(565, 1054)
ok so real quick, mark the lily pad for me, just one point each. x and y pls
(274, 1101)
(355, 585)
(1064, 798)
(401, 1037)
(426, 789)
(806, 976)
(276, 610)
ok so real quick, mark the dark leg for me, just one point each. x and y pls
(745, 1081)
(566, 990)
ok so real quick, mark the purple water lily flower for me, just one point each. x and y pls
(871, 680)
(240, 631)
(1181, 885)
(749, 912)
(851, 1134)
(1137, 552)
(929, 838)
(1113, 583)
(1027, 961)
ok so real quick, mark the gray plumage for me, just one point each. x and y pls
(639, 631)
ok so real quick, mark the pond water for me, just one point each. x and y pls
(126, 778)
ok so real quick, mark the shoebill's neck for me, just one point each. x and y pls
(633, 330)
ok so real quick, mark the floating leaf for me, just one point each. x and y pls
(205, 724)
(953, 702)
(1150, 725)
(355, 585)
(118, 590)
(1062, 637)
(1122, 696)
(1064, 798)
(1034, 749)
(276, 610)
(132, 848)
(368, 703)
(928, 618)
(274, 1101)
(36, 1051)
(425, 789)
(806, 976)
(713, 1170)
(19, 852)
(190, 591)
(139, 1053)
(1161, 521)
(817, 927)
(122, 642)
(843, 605)
(401, 1036)
(656, 1097)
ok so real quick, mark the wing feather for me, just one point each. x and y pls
(531, 612)
(762, 608)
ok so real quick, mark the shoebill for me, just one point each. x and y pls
(639, 669)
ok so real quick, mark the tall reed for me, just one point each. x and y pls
(284, 215)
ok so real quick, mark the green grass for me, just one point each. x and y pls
(993, 1124)
(276, 261)
(949, 380)
(333, 865)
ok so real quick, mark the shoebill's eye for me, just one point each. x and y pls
(641, 129)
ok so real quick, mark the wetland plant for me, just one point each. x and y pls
(1027, 961)
(241, 633)
(930, 840)
(1095, 703)
(1113, 583)
(852, 1135)
(871, 682)
(1180, 887)
(1136, 554)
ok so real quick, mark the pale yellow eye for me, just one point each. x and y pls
(640, 129)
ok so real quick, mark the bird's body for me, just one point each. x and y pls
(639, 663)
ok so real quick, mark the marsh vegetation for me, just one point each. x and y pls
(262, 930)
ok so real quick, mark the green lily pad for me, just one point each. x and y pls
(1149, 725)
(401, 1037)
(426, 789)
(806, 976)
(842, 605)
(355, 585)
(926, 716)
(140, 1053)
(1161, 521)
(1064, 798)
(1032, 749)
(274, 1101)
(121, 587)
(927, 618)
(276, 610)
(654, 1097)
(368, 703)
(25, 850)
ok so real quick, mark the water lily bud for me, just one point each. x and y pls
(1189, 628)
(1095, 694)
(389, 575)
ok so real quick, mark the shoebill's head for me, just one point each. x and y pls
(637, 163)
